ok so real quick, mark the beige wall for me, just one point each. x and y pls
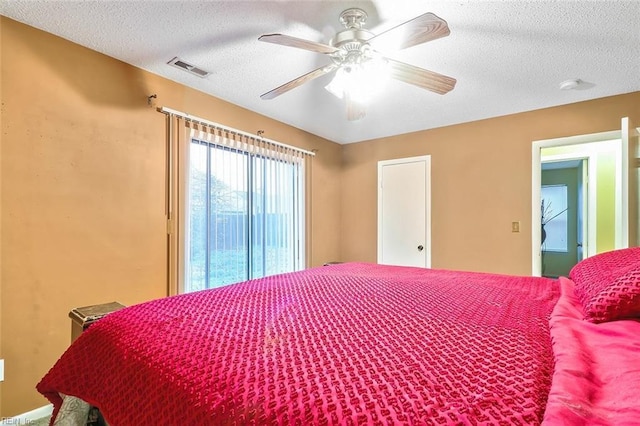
(83, 192)
(481, 182)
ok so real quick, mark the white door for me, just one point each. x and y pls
(404, 219)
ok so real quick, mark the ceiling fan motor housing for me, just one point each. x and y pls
(352, 41)
(343, 38)
(353, 18)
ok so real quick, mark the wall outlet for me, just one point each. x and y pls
(1, 370)
(515, 226)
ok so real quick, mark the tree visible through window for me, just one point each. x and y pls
(554, 218)
(244, 216)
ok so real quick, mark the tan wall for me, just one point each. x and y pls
(83, 192)
(481, 182)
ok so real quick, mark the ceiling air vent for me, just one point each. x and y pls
(178, 63)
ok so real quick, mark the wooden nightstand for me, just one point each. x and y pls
(82, 318)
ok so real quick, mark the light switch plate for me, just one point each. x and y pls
(1, 370)
(515, 226)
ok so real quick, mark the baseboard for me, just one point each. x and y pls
(26, 418)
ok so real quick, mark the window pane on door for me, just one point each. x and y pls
(245, 215)
(198, 212)
(273, 216)
(554, 218)
(228, 249)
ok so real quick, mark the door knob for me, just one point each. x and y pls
(420, 248)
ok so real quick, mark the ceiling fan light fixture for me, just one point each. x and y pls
(361, 81)
(337, 84)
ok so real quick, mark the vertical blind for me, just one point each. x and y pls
(239, 205)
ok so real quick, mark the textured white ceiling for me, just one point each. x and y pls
(508, 56)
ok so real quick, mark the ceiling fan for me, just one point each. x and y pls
(358, 63)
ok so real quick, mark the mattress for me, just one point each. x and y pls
(352, 343)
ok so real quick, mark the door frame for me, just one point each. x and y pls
(588, 205)
(622, 193)
(427, 213)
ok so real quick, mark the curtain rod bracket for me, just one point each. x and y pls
(154, 96)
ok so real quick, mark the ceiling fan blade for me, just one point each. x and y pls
(286, 40)
(420, 77)
(419, 30)
(355, 110)
(298, 81)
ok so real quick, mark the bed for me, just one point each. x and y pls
(360, 343)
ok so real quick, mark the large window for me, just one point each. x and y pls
(245, 215)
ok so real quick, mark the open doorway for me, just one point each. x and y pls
(604, 223)
(564, 215)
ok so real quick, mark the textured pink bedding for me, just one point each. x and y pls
(344, 344)
(597, 373)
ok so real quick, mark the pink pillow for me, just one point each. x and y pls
(608, 285)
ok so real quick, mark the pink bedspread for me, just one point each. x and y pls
(344, 344)
(597, 374)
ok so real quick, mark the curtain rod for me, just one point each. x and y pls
(193, 118)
